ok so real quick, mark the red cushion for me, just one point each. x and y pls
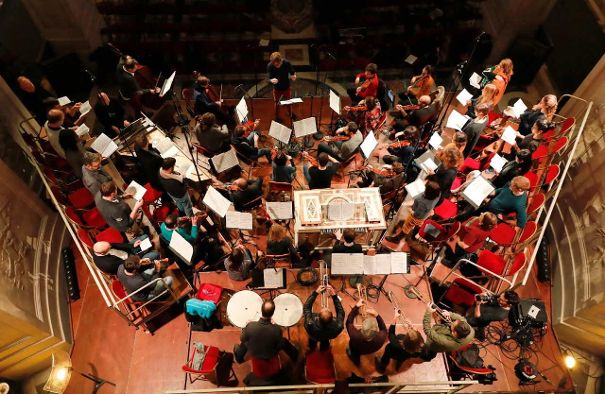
(265, 368)
(81, 198)
(491, 261)
(446, 210)
(470, 164)
(209, 292)
(320, 367)
(459, 296)
(209, 363)
(503, 234)
(110, 235)
(85, 238)
(93, 218)
(151, 195)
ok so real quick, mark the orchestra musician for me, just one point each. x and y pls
(451, 159)
(545, 109)
(129, 88)
(470, 238)
(248, 146)
(367, 340)
(387, 179)
(367, 112)
(500, 76)
(405, 148)
(366, 84)
(345, 242)
(420, 85)
(149, 160)
(474, 128)
(443, 337)
(279, 73)
(174, 184)
(342, 149)
(207, 100)
(278, 243)
(282, 171)
(210, 135)
(243, 191)
(519, 166)
(110, 114)
(35, 98)
(418, 115)
(319, 175)
(400, 347)
(323, 326)
(488, 94)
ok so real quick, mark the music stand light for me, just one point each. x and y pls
(60, 375)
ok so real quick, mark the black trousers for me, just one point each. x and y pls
(395, 353)
(324, 344)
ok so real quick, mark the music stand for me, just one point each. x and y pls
(278, 276)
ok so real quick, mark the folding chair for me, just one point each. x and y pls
(319, 367)
(461, 372)
(494, 266)
(208, 370)
(460, 292)
(266, 368)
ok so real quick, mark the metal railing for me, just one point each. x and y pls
(382, 388)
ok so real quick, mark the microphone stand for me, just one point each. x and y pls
(461, 68)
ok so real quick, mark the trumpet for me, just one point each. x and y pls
(445, 317)
(402, 316)
(363, 295)
(325, 282)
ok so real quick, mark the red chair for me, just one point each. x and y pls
(208, 369)
(462, 372)
(494, 265)
(446, 210)
(503, 234)
(535, 203)
(461, 292)
(550, 149)
(566, 126)
(530, 229)
(81, 198)
(533, 179)
(552, 173)
(110, 235)
(319, 367)
(93, 218)
(266, 368)
(85, 238)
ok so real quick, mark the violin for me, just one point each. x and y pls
(364, 86)
(336, 138)
(385, 172)
(411, 107)
(358, 108)
(311, 159)
(414, 89)
(399, 144)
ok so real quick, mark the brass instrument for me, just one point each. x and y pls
(325, 282)
(363, 295)
(445, 317)
(402, 316)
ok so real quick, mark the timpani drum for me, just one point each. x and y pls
(288, 310)
(244, 307)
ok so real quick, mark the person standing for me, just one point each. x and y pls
(280, 72)
(367, 340)
(174, 184)
(323, 326)
(400, 347)
(445, 337)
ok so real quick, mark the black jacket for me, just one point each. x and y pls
(253, 190)
(110, 263)
(313, 325)
(263, 339)
(150, 162)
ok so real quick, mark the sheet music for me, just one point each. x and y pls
(225, 161)
(273, 278)
(379, 264)
(347, 264)
(136, 190)
(85, 108)
(435, 140)
(82, 129)
(215, 201)
(291, 101)
(145, 244)
(241, 220)
(280, 132)
(183, 166)
(518, 108)
(411, 59)
(341, 211)
(334, 102)
(509, 135)
(477, 191)
(475, 80)
(428, 165)
(464, 97)
(64, 100)
(497, 162)
(399, 263)
(305, 127)
(104, 145)
(456, 120)
(415, 188)
(180, 246)
(280, 210)
(241, 109)
(166, 147)
(368, 145)
(167, 84)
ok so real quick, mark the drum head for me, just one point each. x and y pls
(245, 306)
(288, 310)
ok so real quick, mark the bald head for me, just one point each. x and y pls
(425, 100)
(241, 183)
(55, 117)
(101, 247)
(267, 309)
(325, 316)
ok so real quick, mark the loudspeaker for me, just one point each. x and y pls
(532, 311)
(71, 276)
(543, 261)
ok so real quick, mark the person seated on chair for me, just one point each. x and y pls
(93, 175)
(425, 112)
(511, 198)
(446, 173)
(109, 256)
(490, 307)
(459, 141)
(470, 238)
(203, 102)
(36, 99)
(174, 223)
(210, 135)
(404, 149)
(263, 339)
(244, 191)
(53, 127)
(401, 346)
(489, 92)
(115, 211)
(150, 161)
(323, 326)
(366, 84)
(110, 114)
(422, 208)
(519, 166)
(248, 146)
(369, 111)
(475, 127)
(278, 243)
(174, 184)
(239, 264)
(320, 176)
(420, 85)
(343, 150)
(533, 140)
(387, 179)
(367, 340)
(443, 337)
(544, 110)
(282, 171)
(345, 242)
(134, 274)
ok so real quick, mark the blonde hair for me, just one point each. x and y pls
(275, 57)
(451, 157)
(488, 94)
(277, 232)
(506, 66)
(413, 341)
(549, 106)
(520, 183)
(488, 220)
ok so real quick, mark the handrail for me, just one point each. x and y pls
(387, 388)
